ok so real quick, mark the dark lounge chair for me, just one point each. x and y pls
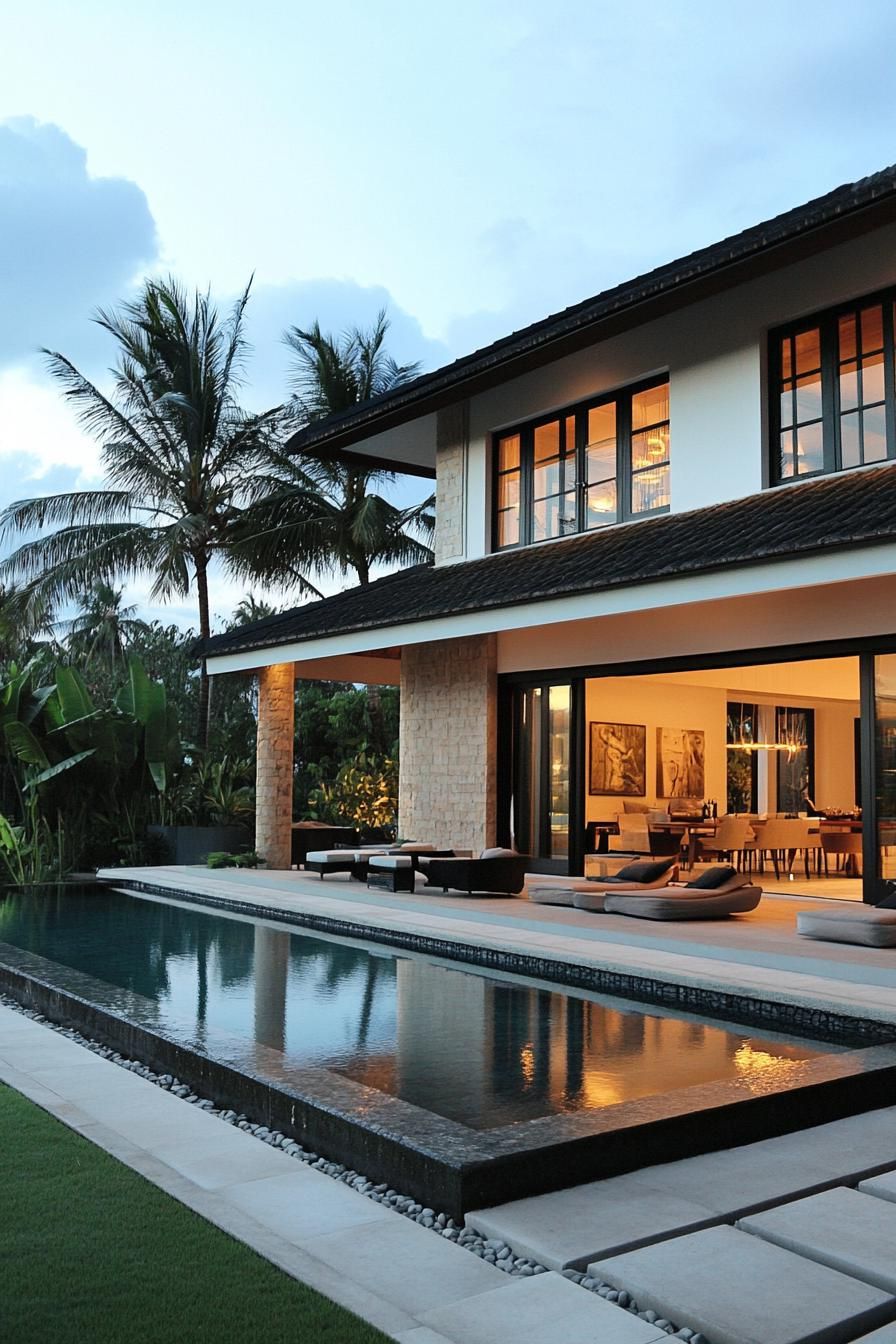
(497, 872)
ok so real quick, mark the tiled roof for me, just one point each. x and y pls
(674, 283)
(851, 509)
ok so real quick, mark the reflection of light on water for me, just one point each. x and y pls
(599, 1089)
(527, 1062)
(762, 1071)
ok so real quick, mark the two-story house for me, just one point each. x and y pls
(665, 559)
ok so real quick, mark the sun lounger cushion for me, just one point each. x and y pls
(684, 904)
(645, 870)
(391, 861)
(715, 877)
(869, 926)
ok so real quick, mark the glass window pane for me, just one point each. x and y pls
(847, 336)
(849, 387)
(546, 519)
(650, 490)
(808, 398)
(850, 445)
(872, 329)
(786, 454)
(567, 513)
(787, 406)
(547, 480)
(786, 362)
(509, 527)
(874, 435)
(808, 350)
(600, 464)
(600, 504)
(651, 406)
(509, 490)
(602, 423)
(570, 434)
(650, 447)
(873, 379)
(809, 452)
(508, 452)
(547, 441)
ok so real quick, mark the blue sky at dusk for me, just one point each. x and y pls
(472, 167)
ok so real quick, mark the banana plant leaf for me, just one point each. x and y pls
(74, 700)
(23, 744)
(59, 768)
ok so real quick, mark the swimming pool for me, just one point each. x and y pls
(473, 1064)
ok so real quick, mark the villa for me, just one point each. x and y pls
(665, 569)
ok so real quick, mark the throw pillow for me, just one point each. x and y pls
(646, 870)
(714, 877)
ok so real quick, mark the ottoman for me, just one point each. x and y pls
(863, 924)
(391, 872)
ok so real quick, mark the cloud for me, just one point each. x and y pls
(38, 435)
(337, 305)
(69, 242)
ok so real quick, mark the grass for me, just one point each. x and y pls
(92, 1253)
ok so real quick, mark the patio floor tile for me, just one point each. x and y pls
(546, 1309)
(841, 1228)
(737, 1289)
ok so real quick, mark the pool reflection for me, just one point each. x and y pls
(466, 1046)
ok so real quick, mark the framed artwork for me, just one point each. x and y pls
(680, 763)
(618, 759)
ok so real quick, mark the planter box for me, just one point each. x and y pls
(192, 844)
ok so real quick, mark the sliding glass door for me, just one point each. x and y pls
(543, 804)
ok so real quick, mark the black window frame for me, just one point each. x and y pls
(624, 478)
(827, 321)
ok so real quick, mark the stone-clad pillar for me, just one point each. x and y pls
(274, 764)
(447, 764)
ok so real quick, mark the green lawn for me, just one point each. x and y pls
(91, 1253)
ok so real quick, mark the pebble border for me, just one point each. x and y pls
(491, 1250)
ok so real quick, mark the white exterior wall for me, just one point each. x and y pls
(715, 353)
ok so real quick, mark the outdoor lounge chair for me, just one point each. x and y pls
(497, 872)
(643, 875)
(716, 894)
(866, 925)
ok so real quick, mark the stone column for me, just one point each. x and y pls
(447, 770)
(274, 764)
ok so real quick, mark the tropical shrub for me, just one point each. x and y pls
(364, 794)
(82, 781)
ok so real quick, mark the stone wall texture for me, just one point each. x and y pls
(274, 764)
(451, 463)
(447, 784)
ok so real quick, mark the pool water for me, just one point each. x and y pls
(466, 1045)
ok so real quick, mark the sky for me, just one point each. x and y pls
(470, 167)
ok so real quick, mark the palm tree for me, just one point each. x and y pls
(182, 461)
(103, 630)
(330, 512)
(249, 610)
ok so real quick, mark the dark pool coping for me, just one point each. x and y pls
(441, 1162)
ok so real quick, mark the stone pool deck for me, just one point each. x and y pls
(759, 954)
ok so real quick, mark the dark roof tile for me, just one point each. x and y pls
(851, 509)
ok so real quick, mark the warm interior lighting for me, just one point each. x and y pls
(790, 738)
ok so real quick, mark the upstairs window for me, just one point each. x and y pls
(604, 461)
(833, 391)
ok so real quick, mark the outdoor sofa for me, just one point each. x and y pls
(497, 872)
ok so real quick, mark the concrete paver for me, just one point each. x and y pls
(737, 1289)
(302, 1203)
(232, 1158)
(841, 1228)
(570, 1227)
(883, 1187)
(546, 1309)
(417, 1273)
